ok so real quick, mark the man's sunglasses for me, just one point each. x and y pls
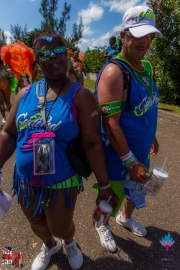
(149, 36)
(45, 53)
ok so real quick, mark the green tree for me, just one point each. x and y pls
(94, 59)
(29, 37)
(3, 38)
(48, 9)
(18, 33)
(165, 52)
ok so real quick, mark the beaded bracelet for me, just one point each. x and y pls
(129, 160)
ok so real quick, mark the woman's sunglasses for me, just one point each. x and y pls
(45, 53)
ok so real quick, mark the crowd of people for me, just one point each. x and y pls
(64, 110)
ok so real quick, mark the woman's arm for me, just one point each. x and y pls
(89, 123)
(8, 135)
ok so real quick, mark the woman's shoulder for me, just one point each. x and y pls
(84, 93)
(24, 90)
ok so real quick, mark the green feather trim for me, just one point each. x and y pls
(13, 84)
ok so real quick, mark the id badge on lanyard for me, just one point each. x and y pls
(44, 153)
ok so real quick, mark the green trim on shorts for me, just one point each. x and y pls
(70, 182)
(117, 187)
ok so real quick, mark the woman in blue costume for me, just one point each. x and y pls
(48, 199)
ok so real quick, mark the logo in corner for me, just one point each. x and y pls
(167, 242)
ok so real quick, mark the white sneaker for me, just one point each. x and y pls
(75, 257)
(106, 239)
(4, 120)
(43, 258)
(136, 227)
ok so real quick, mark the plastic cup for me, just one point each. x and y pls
(155, 181)
(102, 213)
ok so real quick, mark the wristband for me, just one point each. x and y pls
(132, 166)
(129, 160)
(105, 187)
(127, 156)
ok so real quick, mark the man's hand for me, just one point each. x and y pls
(139, 173)
(154, 148)
(104, 194)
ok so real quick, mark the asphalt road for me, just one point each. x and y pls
(160, 217)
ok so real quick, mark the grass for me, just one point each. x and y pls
(169, 108)
(89, 84)
(166, 107)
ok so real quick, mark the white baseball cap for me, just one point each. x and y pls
(140, 20)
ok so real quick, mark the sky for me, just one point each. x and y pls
(100, 18)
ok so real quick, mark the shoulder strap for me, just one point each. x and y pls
(41, 103)
(40, 96)
(126, 79)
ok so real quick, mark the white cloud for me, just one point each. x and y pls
(87, 30)
(8, 35)
(117, 28)
(92, 13)
(119, 6)
(94, 42)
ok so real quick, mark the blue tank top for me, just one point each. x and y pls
(139, 126)
(111, 50)
(60, 121)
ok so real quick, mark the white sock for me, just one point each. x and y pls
(123, 218)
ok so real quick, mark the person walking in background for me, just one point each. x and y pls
(78, 67)
(20, 84)
(19, 58)
(129, 117)
(111, 49)
(68, 110)
(5, 92)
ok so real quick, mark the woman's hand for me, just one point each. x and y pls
(104, 194)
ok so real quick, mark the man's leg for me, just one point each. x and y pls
(128, 208)
(125, 218)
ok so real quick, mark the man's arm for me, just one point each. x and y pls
(110, 89)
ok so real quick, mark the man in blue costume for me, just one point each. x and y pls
(129, 119)
(111, 49)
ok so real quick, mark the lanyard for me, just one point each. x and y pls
(45, 118)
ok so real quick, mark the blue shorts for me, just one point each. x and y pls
(134, 193)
